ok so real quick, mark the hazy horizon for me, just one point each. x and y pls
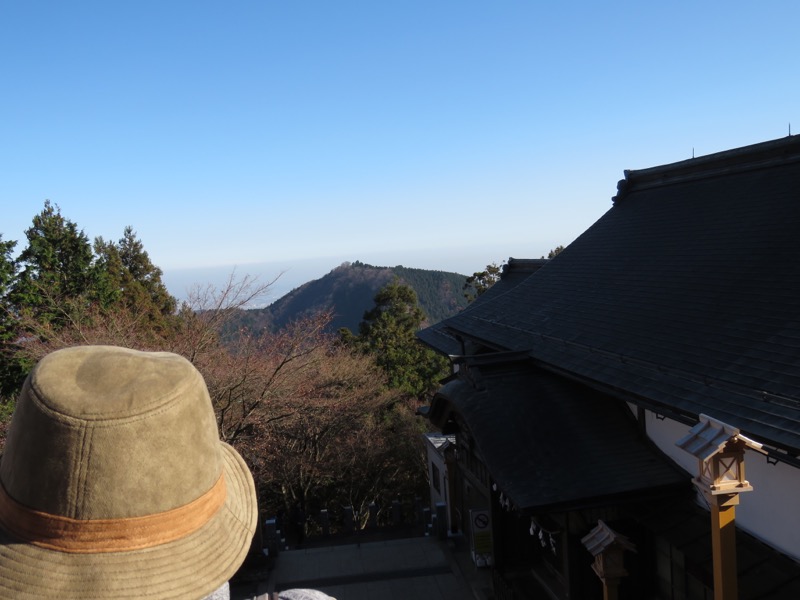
(291, 274)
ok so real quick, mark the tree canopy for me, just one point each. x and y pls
(554, 252)
(60, 286)
(55, 268)
(480, 281)
(388, 333)
(10, 370)
(131, 279)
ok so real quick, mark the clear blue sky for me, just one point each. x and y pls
(436, 134)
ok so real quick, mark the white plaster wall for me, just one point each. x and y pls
(437, 459)
(771, 512)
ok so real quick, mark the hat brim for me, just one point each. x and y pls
(189, 568)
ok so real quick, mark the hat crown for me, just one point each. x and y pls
(102, 432)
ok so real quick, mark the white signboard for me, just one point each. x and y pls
(481, 527)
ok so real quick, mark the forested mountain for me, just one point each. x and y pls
(349, 290)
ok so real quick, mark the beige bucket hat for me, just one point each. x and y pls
(114, 483)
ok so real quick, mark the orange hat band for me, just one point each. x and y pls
(108, 535)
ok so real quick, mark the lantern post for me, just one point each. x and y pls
(719, 449)
(607, 546)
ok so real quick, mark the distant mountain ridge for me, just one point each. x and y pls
(349, 290)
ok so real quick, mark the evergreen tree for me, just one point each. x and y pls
(554, 252)
(388, 332)
(11, 372)
(127, 275)
(480, 281)
(60, 292)
(56, 267)
(8, 273)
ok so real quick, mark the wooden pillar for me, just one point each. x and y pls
(723, 544)
(719, 449)
(608, 547)
(611, 588)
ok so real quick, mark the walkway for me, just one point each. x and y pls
(421, 568)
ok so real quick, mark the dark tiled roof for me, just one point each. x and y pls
(685, 294)
(554, 444)
(514, 272)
